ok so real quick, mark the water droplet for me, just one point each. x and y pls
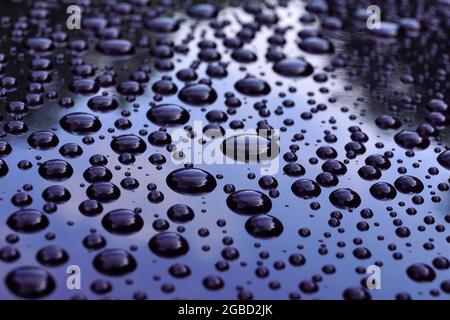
(306, 189)
(383, 191)
(264, 226)
(345, 199)
(409, 184)
(444, 159)
(103, 103)
(252, 87)
(114, 262)
(115, 47)
(249, 202)
(421, 272)
(168, 115)
(316, 45)
(191, 181)
(122, 221)
(43, 140)
(80, 123)
(250, 148)
(128, 143)
(56, 194)
(52, 256)
(103, 191)
(411, 140)
(202, 11)
(168, 244)
(30, 282)
(198, 94)
(293, 68)
(27, 221)
(180, 213)
(162, 24)
(55, 170)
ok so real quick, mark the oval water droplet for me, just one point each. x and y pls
(43, 140)
(306, 189)
(249, 202)
(103, 191)
(30, 282)
(198, 94)
(345, 198)
(168, 245)
(250, 148)
(55, 170)
(115, 47)
(293, 68)
(80, 123)
(122, 221)
(264, 226)
(168, 115)
(114, 262)
(27, 221)
(251, 86)
(128, 143)
(191, 181)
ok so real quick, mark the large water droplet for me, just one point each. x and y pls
(250, 148)
(345, 198)
(251, 86)
(52, 256)
(128, 143)
(180, 213)
(55, 170)
(30, 282)
(103, 103)
(198, 94)
(162, 24)
(421, 272)
(249, 202)
(306, 189)
(27, 221)
(80, 123)
(293, 68)
(115, 47)
(114, 262)
(168, 115)
(168, 244)
(408, 184)
(103, 191)
(43, 140)
(202, 11)
(122, 221)
(191, 181)
(444, 159)
(264, 226)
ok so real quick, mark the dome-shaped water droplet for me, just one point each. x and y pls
(191, 181)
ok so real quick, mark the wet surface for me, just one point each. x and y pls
(346, 164)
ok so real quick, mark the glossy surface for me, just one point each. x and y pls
(97, 126)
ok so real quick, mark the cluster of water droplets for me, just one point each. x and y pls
(86, 152)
